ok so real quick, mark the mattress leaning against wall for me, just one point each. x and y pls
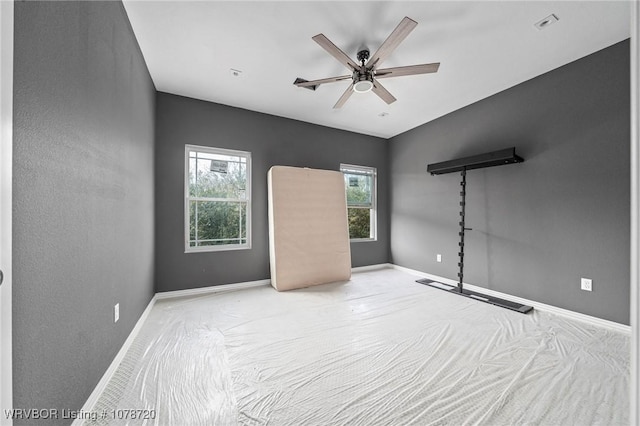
(378, 350)
(308, 229)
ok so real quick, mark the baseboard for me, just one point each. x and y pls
(539, 306)
(211, 289)
(248, 284)
(106, 377)
(369, 268)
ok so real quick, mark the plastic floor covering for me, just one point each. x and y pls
(377, 350)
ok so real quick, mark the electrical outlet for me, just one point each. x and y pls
(586, 284)
(116, 312)
(438, 258)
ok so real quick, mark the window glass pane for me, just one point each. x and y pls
(217, 176)
(359, 223)
(217, 223)
(359, 188)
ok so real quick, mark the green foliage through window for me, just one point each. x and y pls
(359, 223)
(217, 223)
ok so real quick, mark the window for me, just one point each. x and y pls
(217, 199)
(360, 186)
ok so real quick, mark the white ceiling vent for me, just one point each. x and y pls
(544, 23)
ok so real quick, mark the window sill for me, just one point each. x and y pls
(362, 240)
(209, 249)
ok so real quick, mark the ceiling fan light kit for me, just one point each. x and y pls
(364, 76)
(364, 84)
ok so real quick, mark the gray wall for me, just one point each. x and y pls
(83, 233)
(539, 226)
(271, 141)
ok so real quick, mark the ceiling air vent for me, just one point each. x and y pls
(544, 23)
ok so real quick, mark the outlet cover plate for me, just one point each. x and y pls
(586, 284)
(116, 312)
(438, 258)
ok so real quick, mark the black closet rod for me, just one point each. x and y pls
(489, 159)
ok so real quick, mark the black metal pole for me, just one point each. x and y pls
(463, 194)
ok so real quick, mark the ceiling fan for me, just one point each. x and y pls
(364, 76)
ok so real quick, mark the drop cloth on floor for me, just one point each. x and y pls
(377, 350)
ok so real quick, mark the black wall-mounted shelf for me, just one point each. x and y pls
(490, 159)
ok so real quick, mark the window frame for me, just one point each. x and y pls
(365, 171)
(187, 198)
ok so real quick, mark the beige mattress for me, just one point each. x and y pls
(308, 229)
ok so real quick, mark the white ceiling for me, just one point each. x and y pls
(483, 47)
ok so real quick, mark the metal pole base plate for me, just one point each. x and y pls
(507, 304)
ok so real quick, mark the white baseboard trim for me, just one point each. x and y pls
(248, 284)
(211, 289)
(106, 377)
(369, 268)
(611, 325)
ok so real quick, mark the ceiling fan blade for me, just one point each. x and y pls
(345, 96)
(408, 70)
(313, 84)
(334, 51)
(384, 94)
(395, 38)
